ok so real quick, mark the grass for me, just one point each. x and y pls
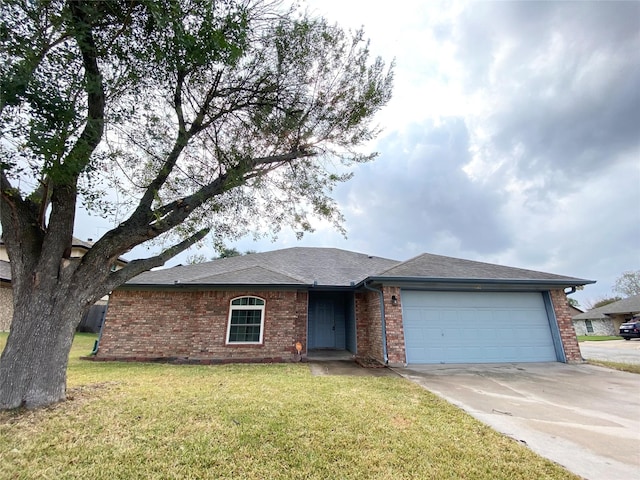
(625, 367)
(597, 338)
(126, 420)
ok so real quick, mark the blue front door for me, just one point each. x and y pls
(323, 324)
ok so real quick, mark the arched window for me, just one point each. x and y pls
(246, 320)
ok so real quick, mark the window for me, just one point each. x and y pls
(589, 326)
(246, 320)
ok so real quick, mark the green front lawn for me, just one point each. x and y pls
(127, 420)
(597, 338)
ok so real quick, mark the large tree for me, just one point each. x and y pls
(628, 284)
(198, 116)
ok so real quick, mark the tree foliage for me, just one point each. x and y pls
(606, 301)
(224, 252)
(176, 118)
(628, 284)
(219, 117)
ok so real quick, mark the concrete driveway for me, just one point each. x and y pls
(623, 351)
(584, 417)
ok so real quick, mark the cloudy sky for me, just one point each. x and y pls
(513, 137)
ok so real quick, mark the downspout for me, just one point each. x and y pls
(383, 322)
(97, 342)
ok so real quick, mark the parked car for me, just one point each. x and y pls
(630, 329)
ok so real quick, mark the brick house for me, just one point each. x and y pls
(257, 307)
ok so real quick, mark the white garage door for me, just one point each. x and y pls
(476, 327)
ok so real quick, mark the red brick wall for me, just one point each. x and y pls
(395, 331)
(368, 326)
(302, 309)
(565, 325)
(192, 325)
(370, 330)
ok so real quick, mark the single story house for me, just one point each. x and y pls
(606, 320)
(263, 307)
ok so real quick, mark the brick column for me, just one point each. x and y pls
(368, 326)
(395, 331)
(565, 325)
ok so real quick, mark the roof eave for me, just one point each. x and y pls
(248, 286)
(209, 286)
(478, 283)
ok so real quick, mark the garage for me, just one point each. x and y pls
(476, 327)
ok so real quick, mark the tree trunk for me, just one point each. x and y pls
(33, 366)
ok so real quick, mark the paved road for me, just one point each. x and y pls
(567, 413)
(623, 351)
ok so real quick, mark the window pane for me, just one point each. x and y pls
(244, 334)
(246, 317)
(245, 325)
(247, 301)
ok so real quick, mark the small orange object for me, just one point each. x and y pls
(298, 347)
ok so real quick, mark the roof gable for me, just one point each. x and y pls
(629, 305)
(296, 265)
(440, 267)
(247, 276)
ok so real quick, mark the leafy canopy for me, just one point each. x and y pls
(628, 284)
(180, 117)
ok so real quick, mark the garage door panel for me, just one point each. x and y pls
(476, 327)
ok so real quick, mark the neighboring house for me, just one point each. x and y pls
(606, 320)
(257, 307)
(90, 323)
(6, 296)
(78, 249)
(575, 310)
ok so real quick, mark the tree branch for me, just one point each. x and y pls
(19, 230)
(136, 267)
(177, 100)
(64, 179)
(218, 186)
(91, 136)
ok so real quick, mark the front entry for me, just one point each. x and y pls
(331, 321)
(324, 324)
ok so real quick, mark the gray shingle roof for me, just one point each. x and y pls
(76, 242)
(290, 266)
(440, 267)
(250, 275)
(337, 268)
(81, 244)
(5, 271)
(626, 305)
